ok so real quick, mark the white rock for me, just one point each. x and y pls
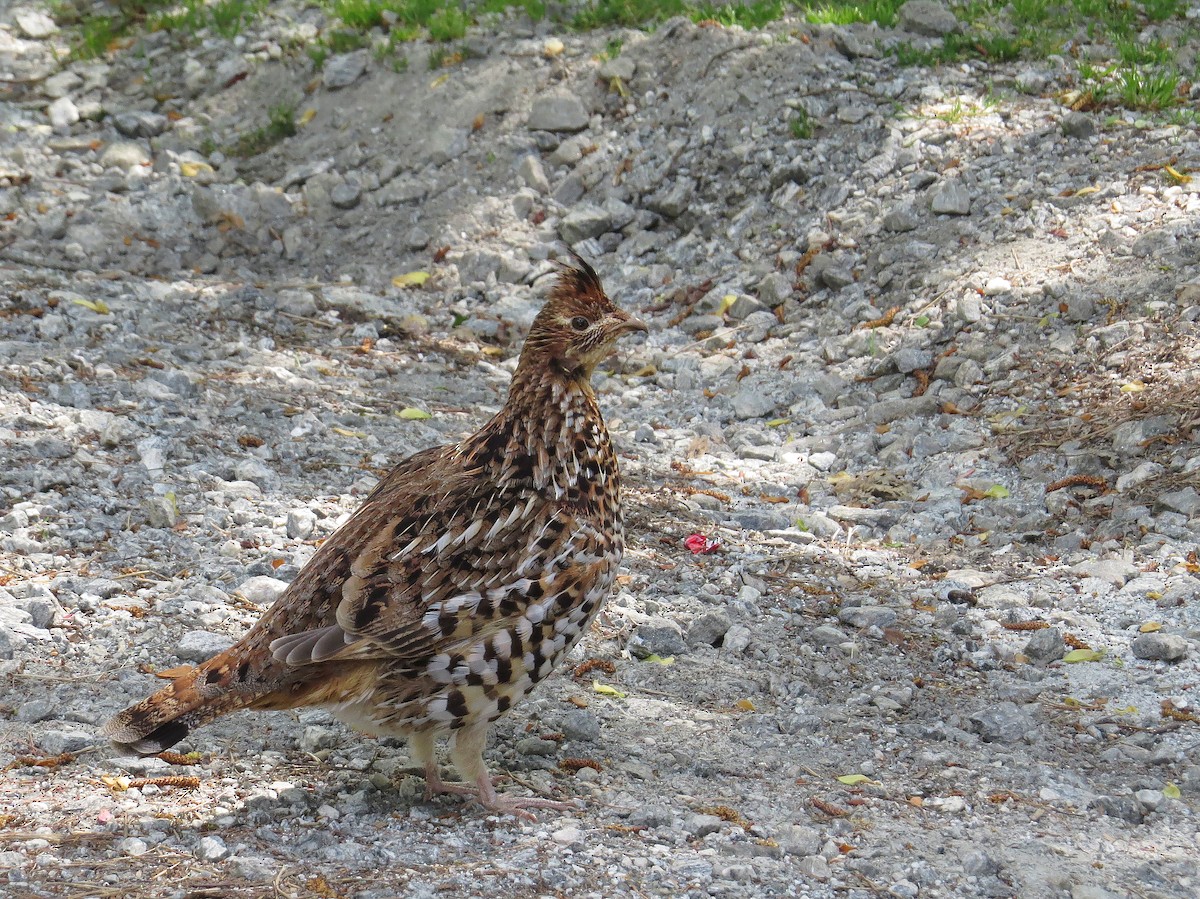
(211, 849)
(62, 113)
(35, 24)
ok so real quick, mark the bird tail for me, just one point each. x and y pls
(192, 699)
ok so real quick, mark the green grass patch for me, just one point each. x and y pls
(281, 123)
(800, 125)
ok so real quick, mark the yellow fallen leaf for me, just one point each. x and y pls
(1083, 655)
(410, 413)
(777, 422)
(97, 306)
(439, 81)
(606, 690)
(346, 432)
(1171, 791)
(659, 660)
(646, 371)
(745, 705)
(851, 780)
(1177, 176)
(1085, 191)
(617, 86)
(307, 116)
(1133, 387)
(1150, 627)
(553, 47)
(996, 491)
(193, 169)
(726, 301)
(411, 279)
(1153, 594)
(119, 784)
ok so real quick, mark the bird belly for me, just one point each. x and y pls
(482, 681)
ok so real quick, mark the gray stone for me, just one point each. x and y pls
(262, 590)
(737, 639)
(1003, 722)
(1091, 891)
(533, 174)
(253, 867)
(828, 635)
(751, 402)
(60, 84)
(910, 359)
(161, 511)
(580, 725)
(35, 24)
(797, 839)
(200, 646)
(1113, 571)
(657, 636)
(1123, 807)
(1080, 308)
(62, 113)
(1045, 646)
(1185, 502)
(852, 46)
(56, 742)
(708, 629)
(698, 826)
(815, 867)
(902, 218)
(1131, 437)
(867, 616)
(1078, 125)
(570, 190)
(674, 200)
(36, 710)
(257, 472)
(444, 143)
(140, 123)
(745, 306)
(346, 195)
(583, 222)
(978, 863)
(651, 816)
(344, 69)
(1149, 800)
(300, 524)
(536, 746)
(950, 197)
(1160, 647)
(558, 111)
(928, 18)
(969, 308)
(123, 154)
(774, 289)
(315, 738)
(623, 67)
(211, 849)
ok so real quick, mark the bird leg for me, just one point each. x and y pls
(467, 755)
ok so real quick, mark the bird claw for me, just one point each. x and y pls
(517, 805)
(484, 792)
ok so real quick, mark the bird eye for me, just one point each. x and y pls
(579, 323)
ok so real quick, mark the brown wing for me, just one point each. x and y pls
(438, 555)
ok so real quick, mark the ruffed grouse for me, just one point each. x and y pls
(461, 581)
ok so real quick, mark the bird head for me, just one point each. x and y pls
(579, 324)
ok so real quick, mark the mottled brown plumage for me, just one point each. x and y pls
(460, 582)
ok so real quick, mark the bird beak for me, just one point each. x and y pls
(628, 325)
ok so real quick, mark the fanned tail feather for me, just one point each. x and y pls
(191, 700)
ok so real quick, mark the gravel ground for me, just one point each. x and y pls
(923, 380)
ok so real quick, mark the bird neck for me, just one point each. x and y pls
(547, 433)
